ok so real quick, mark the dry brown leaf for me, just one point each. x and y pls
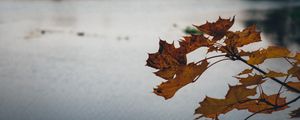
(217, 29)
(246, 71)
(193, 42)
(294, 84)
(212, 107)
(295, 71)
(275, 74)
(184, 75)
(251, 80)
(245, 37)
(259, 56)
(260, 105)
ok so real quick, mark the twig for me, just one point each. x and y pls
(263, 72)
(280, 89)
(210, 58)
(276, 107)
(209, 67)
(218, 62)
(288, 61)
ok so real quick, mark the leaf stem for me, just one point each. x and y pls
(209, 67)
(210, 58)
(263, 72)
(278, 94)
(275, 107)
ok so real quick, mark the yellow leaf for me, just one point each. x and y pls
(275, 74)
(247, 36)
(259, 56)
(277, 52)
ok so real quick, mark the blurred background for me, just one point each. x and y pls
(85, 59)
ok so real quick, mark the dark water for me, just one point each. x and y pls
(281, 25)
(85, 60)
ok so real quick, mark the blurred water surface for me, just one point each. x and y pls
(85, 60)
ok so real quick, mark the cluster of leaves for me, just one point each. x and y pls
(172, 66)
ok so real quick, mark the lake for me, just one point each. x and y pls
(85, 59)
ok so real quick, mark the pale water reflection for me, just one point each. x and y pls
(85, 60)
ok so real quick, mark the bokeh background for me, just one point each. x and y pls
(85, 59)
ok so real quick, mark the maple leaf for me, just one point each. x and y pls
(167, 73)
(294, 85)
(275, 74)
(251, 80)
(295, 71)
(191, 43)
(267, 103)
(184, 75)
(166, 56)
(212, 107)
(259, 56)
(244, 53)
(217, 29)
(245, 37)
(277, 52)
(172, 66)
(246, 71)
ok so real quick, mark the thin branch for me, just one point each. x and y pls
(209, 67)
(274, 79)
(218, 62)
(278, 94)
(288, 61)
(210, 58)
(276, 107)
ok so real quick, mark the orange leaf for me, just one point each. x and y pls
(184, 75)
(295, 71)
(294, 84)
(259, 56)
(251, 80)
(166, 56)
(297, 57)
(247, 36)
(277, 52)
(212, 107)
(217, 29)
(167, 73)
(190, 43)
(260, 105)
(246, 71)
(239, 93)
(275, 74)
(244, 53)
